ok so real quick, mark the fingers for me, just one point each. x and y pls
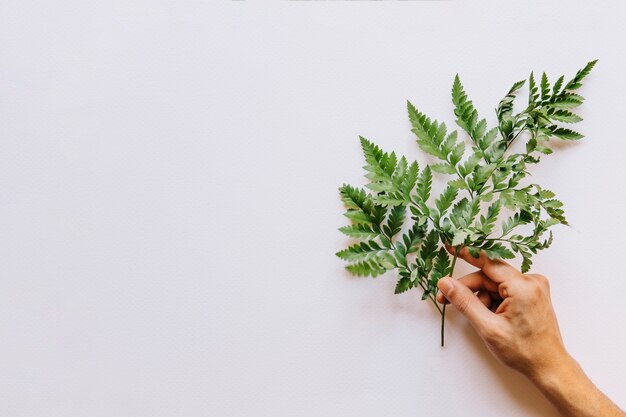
(479, 281)
(466, 302)
(484, 298)
(475, 281)
(524, 286)
(495, 269)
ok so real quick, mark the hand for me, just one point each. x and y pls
(512, 312)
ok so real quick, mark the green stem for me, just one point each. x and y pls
(434, 300)
(456, 255)
(461, 177)
(443, 321)
(500, 239)
(443, 310)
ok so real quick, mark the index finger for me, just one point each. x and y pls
(496, 269)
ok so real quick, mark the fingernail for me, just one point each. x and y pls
(445, 285)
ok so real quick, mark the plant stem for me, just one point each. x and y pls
(434, 300)
(443, 322)
(443, 310)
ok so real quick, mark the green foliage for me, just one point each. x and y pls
(488, 182)
(393, 180)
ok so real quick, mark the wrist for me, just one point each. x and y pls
(556, 369)
(567, 387)
(561, 380)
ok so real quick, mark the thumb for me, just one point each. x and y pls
(465, 301)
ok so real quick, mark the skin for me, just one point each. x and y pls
(512, 313)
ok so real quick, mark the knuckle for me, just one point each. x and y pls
(450, 294)
(536, 284)
(536, 288)
(544, 281)
(463, 304)
(503, 290)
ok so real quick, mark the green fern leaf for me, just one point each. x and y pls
(576, 82)
(396, 219)
(359, 231)
(424, 184)
(445, 200)
(365, 269)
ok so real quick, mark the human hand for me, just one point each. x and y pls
(512, 312)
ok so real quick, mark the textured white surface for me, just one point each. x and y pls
(168, 204)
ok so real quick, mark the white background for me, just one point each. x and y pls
(169, 208)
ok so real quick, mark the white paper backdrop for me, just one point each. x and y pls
(168, 204)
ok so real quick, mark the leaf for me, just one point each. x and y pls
(458, 94)
(443, 168)
(462, 213)
(448, 145)
(488, 139)
(363, 251)
(430, 134)
(393, 179)
(380, 166)
(532, 89)
(526, 262)
(457, 153)
(424, 184)
(517, 86)
(403, 285)
(430, 245)
(479, 130)
(555, 212)
(445, 200)
(470, 164)
(352, 197)
(497, 251)
(361, 207)
(553, 203)
(544, 193)
(365, 269)
(486, 224)
(563, 133)
(458, 183)
(512, 222)
(482, 173)
(394, 223)
(567, 101)
(459, 238)
(358, 217)
(408, 182)
(389, 200)
(442, 264)
(359, 231)
(545, 87)
(467, 116)
(575, 82)
(546, 243)
(381, 187)
(505, 107)
(557, 86)
(565, 116)
(413, 237)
